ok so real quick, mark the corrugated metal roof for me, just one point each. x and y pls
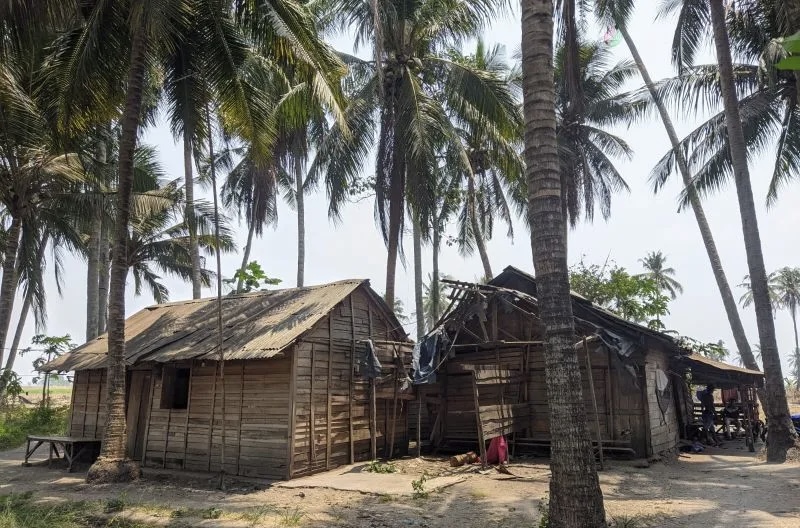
(256, 325)
(719, 365)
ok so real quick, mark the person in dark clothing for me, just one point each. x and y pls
(731, 416)
(708, 414)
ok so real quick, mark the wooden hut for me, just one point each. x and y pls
(488, 374)
(297, 399)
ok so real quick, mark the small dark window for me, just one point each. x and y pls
(175, 388)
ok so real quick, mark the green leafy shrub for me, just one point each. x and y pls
(419, 487)
(18, 422)
(380, 467)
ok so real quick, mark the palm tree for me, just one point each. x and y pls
(277, 28)
(654, 263)
(787, 282)
(747, 297)
(779, 423)
(434, 292)
(393, 95)
(586, 148)
(575, 495)
(617, 13)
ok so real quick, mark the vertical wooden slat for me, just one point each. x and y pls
(241, 419)
(594, 400)
(292, 411)
(86, 402)
(72, 404)
(211, 418)
(373, 411)
(97, 411)
(149, 414)
(328, 412)
(611, 396)
(350, 377)
(312, 441)
(188, 410)
(478, 421)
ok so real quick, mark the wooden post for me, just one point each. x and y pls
(594, 401)
(373, 417)
(97, 414)
(186, 422)
(312, 441)
(419, 422)
(611, 397)
(393, 425)
(149, 413)
(213, 411)
(86, 401)
(328, 438)
(478, 421)
(352, 366)
(166, 439)
(241, 419)
(292, 411)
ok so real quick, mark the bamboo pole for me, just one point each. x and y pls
(186, 422)
(594, 401)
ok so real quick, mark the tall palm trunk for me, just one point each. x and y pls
(8, 286)
(301, 223)
(194, 247)
(794, 325)
(575, 495)
(93, 277)
(477, 232)
(113, 465)
(23, 316)
(251, 228)
(102, 288)
(417, 235)
(781, 432)
(436, 302)
(728, 301)
(396, 200)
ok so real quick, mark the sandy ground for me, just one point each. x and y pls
(726, 487)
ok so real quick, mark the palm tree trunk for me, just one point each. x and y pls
(8, 286)
(417, 235)
(301, 224)
(477, 232)
(435, 300)
(781, 432)
(102, 288)
(23, 318)
(396, 200)
(575, 495)
(93, 277)
(218, 253)
(251, 229)
(794, 324)
(194, 247)
(728, 301)
(113, 465)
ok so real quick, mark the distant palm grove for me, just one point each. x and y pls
(452, 136)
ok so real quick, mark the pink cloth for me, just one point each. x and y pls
(498, 451)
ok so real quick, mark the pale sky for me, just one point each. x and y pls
(640, 222)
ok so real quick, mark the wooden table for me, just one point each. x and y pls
(72, 447)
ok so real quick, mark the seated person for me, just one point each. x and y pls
(731, 415)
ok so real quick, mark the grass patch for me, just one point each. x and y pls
(291, 517)
(380, 467)
(16, 423)
(18, 510)
(116, 504)
(211, 513)
(257, 514)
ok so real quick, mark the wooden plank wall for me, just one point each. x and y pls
(664, 427)
(255, 418)
(88, 403)
(330, 400)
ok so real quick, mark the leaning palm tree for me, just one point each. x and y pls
(655, 265)
(779, 423)
(616, 13)
(394, 95)
(575, 495)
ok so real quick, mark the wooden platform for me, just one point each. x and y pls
(72, 447)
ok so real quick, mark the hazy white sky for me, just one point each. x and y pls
(640, 222)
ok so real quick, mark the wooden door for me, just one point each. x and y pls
(138, 407)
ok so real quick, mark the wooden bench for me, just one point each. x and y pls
(72, 448)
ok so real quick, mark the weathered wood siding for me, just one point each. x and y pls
(88, 416)
(664, 426)
(255, 418)
(330, 400)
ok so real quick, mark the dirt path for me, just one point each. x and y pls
(719, 488)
